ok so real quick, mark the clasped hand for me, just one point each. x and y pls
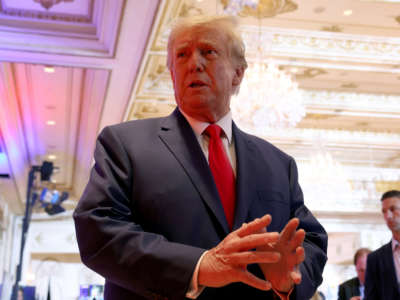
(278, 255)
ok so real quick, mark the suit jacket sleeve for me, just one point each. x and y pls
(341, 293)
(110, 238)
(371, 282)
(315, 243)
(272, 187)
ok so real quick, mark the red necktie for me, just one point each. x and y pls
(222, 172)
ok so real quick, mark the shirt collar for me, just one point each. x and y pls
(395, 244)
(198, 126)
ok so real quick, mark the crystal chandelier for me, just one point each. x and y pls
(268, 98)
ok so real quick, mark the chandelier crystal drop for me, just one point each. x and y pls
(268, 98)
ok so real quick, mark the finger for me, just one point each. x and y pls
(252, 280)
(300, 255)
(251, 257)
(297, 239)
(250, 242)
(254, 226)
(289, 230)
(296, 275)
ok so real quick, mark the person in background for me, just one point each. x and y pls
(20, 293)
(189, 205)
(318, 296)
(353, 289)
(383, 265)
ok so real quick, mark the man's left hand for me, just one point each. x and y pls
(285, 273)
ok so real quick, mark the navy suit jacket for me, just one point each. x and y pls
(151, 208)
(380, 277)
(349, 288)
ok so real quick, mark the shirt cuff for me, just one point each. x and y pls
(195, 289)
(283, 296)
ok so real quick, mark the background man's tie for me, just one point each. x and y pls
(222, 172)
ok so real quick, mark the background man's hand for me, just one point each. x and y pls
(284, 273)
(227, 262)
(355, 298)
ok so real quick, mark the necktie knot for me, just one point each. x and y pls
(213, 131)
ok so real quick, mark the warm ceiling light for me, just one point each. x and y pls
(49, 69)
(52, 157)
(51, 122)
(348, 12)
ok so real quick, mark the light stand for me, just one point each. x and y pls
(46, 170)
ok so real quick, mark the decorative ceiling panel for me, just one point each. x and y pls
(53, 10)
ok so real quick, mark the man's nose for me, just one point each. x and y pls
(196, 62)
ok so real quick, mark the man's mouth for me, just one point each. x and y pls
(196, 84)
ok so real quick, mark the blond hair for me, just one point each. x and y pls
(225, 24)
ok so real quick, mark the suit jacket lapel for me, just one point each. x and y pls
(246, 190)
(180, 139)
(356, 287)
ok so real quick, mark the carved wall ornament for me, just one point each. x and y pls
(261, 8)
(383, 186)
(357, 101)
(45, 15)
(278, 41)
(47, 4)
(189, 10)
(333, 28)
(349, 85)
(310, 73)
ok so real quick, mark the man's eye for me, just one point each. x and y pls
(209, 52)
(180, 54)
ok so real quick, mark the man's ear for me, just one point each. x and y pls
(171, 72)
(238, 76)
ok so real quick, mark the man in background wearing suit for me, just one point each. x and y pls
(383, 265)
(353, 289)
(191, 206)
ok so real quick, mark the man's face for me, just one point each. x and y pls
(391, 213)
(361, 266)
(203, 73)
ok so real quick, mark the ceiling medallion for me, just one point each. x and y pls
(47, 4)
(258, 8)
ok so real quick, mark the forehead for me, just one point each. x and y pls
(391, 201)
(361, 260)
(200, 35)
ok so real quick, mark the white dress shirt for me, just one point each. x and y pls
(396, 258)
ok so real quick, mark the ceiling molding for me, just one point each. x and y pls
(12, 129)
(65, 37)
(92, 108)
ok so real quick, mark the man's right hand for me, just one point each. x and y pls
(227, 262)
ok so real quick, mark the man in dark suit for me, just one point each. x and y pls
(353, 289)
(383, 265)
(158, 220)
